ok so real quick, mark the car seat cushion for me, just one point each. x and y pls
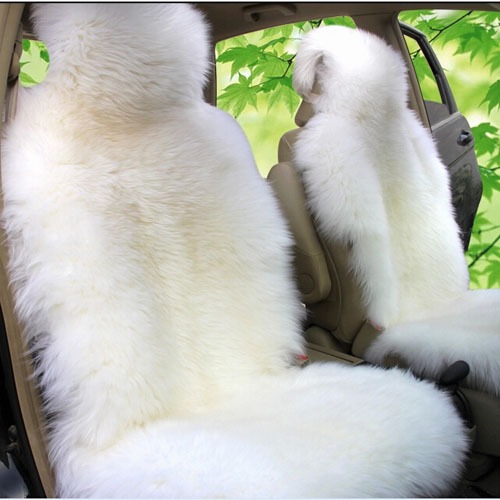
(296, 435)
(466, 328)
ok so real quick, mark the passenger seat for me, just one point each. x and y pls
(337, 328)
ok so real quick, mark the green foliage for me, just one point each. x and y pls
(484, 249)
(34, 62)
(492, 97)
(475, 35)
(262, 64)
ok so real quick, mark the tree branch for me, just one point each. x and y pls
(440, 31)
(484, 251)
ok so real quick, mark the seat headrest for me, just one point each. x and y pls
(304, 113)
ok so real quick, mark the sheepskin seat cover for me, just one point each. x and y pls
(374, 179)
(152, 272)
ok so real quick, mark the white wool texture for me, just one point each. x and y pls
(374, 179)
(152, 272)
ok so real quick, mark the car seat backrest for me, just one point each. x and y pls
(135, 221)
(374, 183)
(333, 298)
(373, 175)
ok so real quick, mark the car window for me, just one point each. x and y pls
(438, 99)
(34, 62)
(254, 83)
(466, 45)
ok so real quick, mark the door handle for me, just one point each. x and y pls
(465, 138)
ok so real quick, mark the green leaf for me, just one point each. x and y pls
(482, 219)
(271, 32)
(27, 80)
(486, 138)
(494, 278)
(473, 41)
(44, 54)
(414, 16)
(286, 30)
(493, 60)
(493, 96)
(26, 45)
(492, 270)
(422, 68)
(491, 183)
(285, 94)
(303, 26)
(237, 96)
(275, 41)
(270, 85)
(241, 57)
(339, 21)
(271, 66)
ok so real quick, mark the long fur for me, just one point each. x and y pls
(374, 179)
(152, 271)
(466, 328)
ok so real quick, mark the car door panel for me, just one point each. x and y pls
(454, 140)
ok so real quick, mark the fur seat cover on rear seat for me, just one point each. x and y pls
(151, 269)
(374, 178)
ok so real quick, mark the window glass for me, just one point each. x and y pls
(254, 83)
(467, 46)
(426, 78)
(466, 43)
(34, 63)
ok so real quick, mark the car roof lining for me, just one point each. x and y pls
(230, 19)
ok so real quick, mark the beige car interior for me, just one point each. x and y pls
(338, 330)
(332, 298)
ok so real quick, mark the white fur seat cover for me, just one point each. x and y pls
(374, 179)
(152, 272)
